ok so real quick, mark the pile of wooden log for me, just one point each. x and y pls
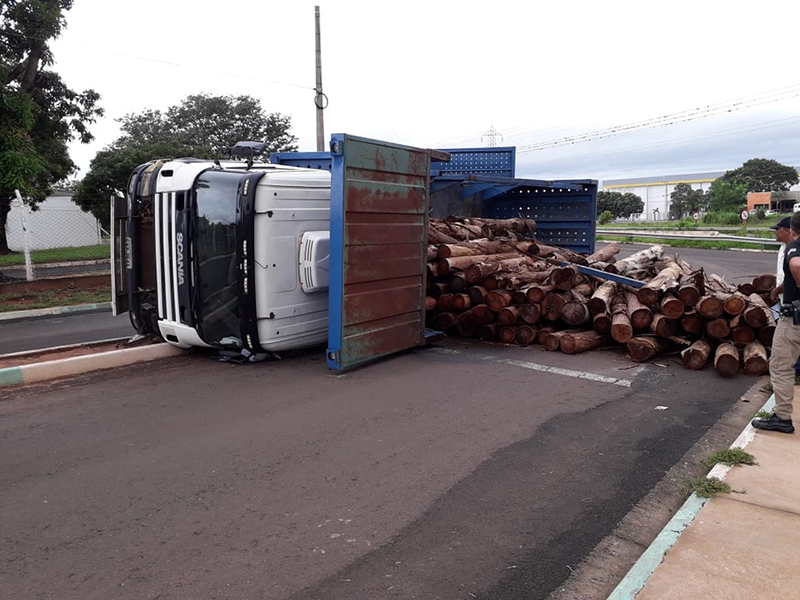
(493, 280)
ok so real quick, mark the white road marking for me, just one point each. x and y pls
(543, 368)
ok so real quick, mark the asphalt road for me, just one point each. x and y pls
(463, 471)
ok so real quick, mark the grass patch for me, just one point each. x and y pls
(68, 296)
(708, 487)
(762, 414)
(730, 456)
(98, 252)
(676, 243)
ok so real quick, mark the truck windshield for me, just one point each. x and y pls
(217, 272)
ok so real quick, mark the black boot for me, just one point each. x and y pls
(773, 423)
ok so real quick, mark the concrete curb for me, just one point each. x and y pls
(15, 315)
(640, 572)
(76, 365)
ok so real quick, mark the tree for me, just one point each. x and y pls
(202, 126)
(762, 175)
(685, 200)
(39, 114)
(726, 196)
(618, 204)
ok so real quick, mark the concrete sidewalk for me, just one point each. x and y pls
(741, 545)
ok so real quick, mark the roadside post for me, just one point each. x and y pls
(25, 240)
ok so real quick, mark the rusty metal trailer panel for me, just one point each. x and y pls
(379, 221)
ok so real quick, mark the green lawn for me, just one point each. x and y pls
(63, 297)
(100, 251)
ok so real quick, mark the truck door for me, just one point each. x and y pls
(378, 240)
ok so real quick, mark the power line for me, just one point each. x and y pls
(684, 116)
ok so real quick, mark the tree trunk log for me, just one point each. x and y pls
(552, 340)
(563, 278)
(526, 335)
(507, 334)
(696, 356)
(444, 321)
(488, 332)
(573, 343)
(755, 359)
(575, 312)
(605, 254)
(481, 314)
(691, 322)
(757, 314)
(477, 294)
(688, 293)
(601, 323)
(643, 348)
(741, 333)
(509, 315)
(726, 359)
(457, 283)
(445, 266)
(671, 307)
(764, 283)
(718, 328)
(530, 313)
(639, 262)
(652, 291)
(664, 327)
(734, 304)
(553, 305)
(537, 293)
(498, 299)
(710, 306)
(621, 329)
(603, 296)
(430, 303)
(640, 315)
(746, 289)
(479, 270)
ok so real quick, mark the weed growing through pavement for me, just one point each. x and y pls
(730, 456)
(762, 414)
(708, 487)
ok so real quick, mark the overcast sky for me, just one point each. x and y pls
(441, 74)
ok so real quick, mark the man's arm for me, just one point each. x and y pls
(794, 268)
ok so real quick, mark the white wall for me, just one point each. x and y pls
(58, 223)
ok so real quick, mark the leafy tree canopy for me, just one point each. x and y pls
(202, 126)
(762, 175)
(39, 113)
(685, 200)
(726, 196)
(618, 204)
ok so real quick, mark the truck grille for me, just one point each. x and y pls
(166, 271)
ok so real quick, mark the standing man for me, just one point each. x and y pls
(783, 234)
(786, 343)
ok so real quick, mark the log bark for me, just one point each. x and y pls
(478, 270)
(544, 331)
(553, 305)
(514, 280)
(718, 328)
(445, 302)
(444, 321)
(741, 333)
(430, 303)
(746, 289)
(432, 253)
(515, 224)
(667, 279)
(563, 277)
(552, 340)
(671, 306)
(574, 343)
(475, 248)
(605, 254)
(639, 262)
(696, 356)
(688, 293)
(562, 254)
(439, 237)
(726, 359)
(755, 359)
(600, 302)
(643, 348)
(621, 329)
(640, 315)
(481, 314)
(445, 266)
(457, 283)
(757, 314)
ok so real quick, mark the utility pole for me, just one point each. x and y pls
(492, 134)
(320, 99)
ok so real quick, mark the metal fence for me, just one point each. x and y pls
(54, 238)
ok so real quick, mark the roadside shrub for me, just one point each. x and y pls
(687, 223)
(760, 214)
(605, 217)
(722, 218)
